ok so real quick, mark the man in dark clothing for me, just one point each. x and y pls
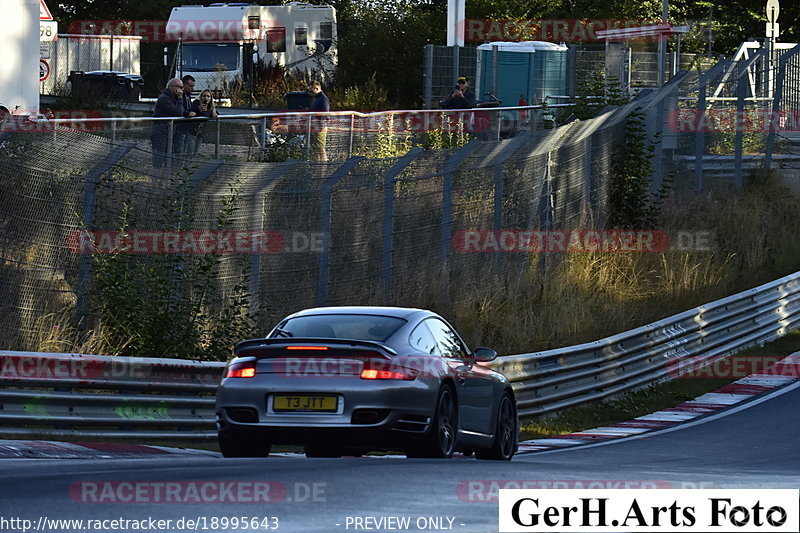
(319, 104)
(462, 97)
(184, 140)
(169, 104)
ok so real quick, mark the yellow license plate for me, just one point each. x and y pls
(302, 402)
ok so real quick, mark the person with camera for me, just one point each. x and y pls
(462, 97)
(202, 107)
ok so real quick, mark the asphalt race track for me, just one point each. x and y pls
(753, 445)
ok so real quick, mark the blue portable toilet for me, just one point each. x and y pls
(534, 69)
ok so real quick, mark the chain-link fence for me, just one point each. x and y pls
(382, 221)
(585, 63)
(739, 117)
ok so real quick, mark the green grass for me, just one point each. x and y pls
(648, 400)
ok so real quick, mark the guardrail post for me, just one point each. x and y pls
(326, 220)
(388, 218)
(89, 202)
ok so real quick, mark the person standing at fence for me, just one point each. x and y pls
(319, 133)
(169, 104)
(184, 131)
(202, 107)
(462, 96)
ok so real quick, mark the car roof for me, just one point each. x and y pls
(398, 312)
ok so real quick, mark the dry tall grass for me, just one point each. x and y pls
(587, 296)
(582, 297)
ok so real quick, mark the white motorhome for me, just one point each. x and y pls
(19, 48)
(218, 43)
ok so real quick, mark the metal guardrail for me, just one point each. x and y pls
(89, 396)
(554, 380)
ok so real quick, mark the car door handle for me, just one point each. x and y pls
(461, 380)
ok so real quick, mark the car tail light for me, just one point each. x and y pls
(374, 373)
(242, 370)
(317, 348)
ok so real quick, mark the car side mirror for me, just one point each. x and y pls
(484, 355)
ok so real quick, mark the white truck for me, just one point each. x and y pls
(19, 48)
(218, 44)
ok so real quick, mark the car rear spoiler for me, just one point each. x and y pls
(359, 345)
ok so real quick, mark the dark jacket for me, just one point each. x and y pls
(166, 106)
(466, 101)
(196, 127)
(320, 103)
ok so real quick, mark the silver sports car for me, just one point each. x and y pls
(348, 380)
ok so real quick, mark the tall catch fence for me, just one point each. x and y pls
(739, 117)
(585, 64)
(416, 223)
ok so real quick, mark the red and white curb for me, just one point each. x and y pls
(778, 375)
(782, 373)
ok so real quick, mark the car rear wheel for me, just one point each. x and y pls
(505, 437)
(322, 450)
(240, 445)
(440, 441)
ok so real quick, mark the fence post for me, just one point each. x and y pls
(170, 138)
(263, 139)
(89, 202)
(427, 78)
(309, 117)
(216, 143)
(699, 138)
(699, 142)
(572, 56)
(546, 211)
(388, 218)
(776, 103)
(741, 91)
(350, 141)
(450, 167)
(264, 187)
(507, 151)
(326, 221)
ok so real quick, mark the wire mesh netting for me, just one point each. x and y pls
(389, 222)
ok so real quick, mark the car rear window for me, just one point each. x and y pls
(360, 327)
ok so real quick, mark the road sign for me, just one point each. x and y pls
(48, 30)
(773, 9)
(44, 13)
(44, 70)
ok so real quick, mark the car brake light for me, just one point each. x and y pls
(306, 347)
(372, 373)
(241, 370)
